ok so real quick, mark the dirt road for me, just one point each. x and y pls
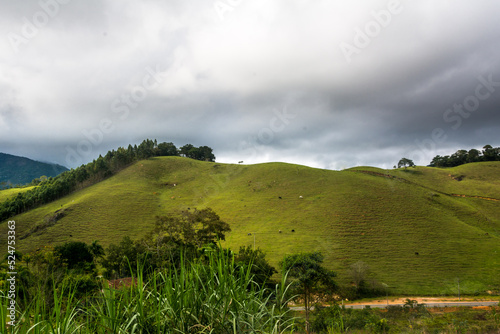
(428, 301)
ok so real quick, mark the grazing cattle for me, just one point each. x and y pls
(279, 231)
(416, 253)
(301, 197)
(279, 197)
(293, 230)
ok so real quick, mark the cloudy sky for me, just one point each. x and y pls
(329, 84)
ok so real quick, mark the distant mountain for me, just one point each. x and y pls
(16, 170)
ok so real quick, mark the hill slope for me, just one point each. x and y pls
(414, 235)
(16, 170)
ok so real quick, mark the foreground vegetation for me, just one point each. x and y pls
(213, 295)
(410, 318)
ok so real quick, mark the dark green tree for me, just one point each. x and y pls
(185, 150)
(167, 149)
(404, 162)
(309, 276)
(76, 255)
(490, 153)
(198, 227)
(473, 155)
(122, 259)
(459, 158)
(146, 149)
(261, 269)
(96, 250)
(207, 225)
(206, 154)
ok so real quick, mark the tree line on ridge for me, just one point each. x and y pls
(52, 188)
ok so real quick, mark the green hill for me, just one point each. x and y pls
(406, 225)
(16, 170)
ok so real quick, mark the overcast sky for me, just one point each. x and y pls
(329, 84)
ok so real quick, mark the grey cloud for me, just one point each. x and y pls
(225, 79)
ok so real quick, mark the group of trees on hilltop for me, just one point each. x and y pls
(52, 188)
(461, 157)
(150, 148)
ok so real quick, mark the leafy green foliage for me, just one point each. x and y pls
(308, 273)
(171, 236)
(211, 297)
(461, 157)
(260, 268)
(309, 276)
(203, 153)
(338, 319)
(123, 258)
(405, 162)
(198, 228)
(75, 255)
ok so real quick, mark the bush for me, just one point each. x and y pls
(76, 255)
(84, 284)
(340, 319)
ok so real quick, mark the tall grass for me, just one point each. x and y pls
(213, 296)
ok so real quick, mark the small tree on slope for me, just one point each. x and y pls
(309, 276)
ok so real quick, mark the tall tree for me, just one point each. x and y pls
(309, 276)
(76, 255)
(473, 155)
(184, 150)
(206, 153)
(404, 162)
(96, 250)
(198, 228)
(122, 259)
(490, 153)
(459, 157)
(167, 149)
(260, 268)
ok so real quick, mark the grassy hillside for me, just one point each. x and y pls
(415, 237)
(7, 193)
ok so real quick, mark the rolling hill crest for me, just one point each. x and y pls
(418, 229)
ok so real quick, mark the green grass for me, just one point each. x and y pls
(7, 193)
(216, 297)
(348, 215)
